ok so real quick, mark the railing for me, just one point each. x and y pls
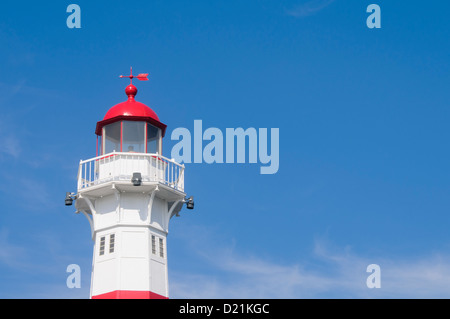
(120, 166)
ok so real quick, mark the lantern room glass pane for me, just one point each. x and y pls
(112, 138)
(153, 139)
(133, 136)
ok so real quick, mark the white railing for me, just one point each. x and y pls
(120, 166)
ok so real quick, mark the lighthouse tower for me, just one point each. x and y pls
(129, 192)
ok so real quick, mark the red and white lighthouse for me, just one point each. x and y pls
(129, 192)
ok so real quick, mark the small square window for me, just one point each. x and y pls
(102, 246)
(161, 247)
(112, 238)
(153, 245)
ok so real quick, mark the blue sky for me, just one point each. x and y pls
(364, 159)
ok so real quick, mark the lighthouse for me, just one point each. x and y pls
(129, 192)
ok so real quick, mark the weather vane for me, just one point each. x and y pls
(141, 77)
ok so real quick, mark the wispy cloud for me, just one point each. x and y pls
(39, 272)
(308, 8)
(10, 254)
(238, 276)
(10, 145)
(325, 274)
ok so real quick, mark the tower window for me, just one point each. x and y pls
(161, 247)
(111, 138)
(153, 245)
(133, 137)
(102, 246)
(112, 238)
(153, 139)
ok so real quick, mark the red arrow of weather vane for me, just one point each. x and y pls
(141, 77)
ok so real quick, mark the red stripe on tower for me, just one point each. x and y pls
(129, 294)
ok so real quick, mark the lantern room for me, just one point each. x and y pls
(130, 126)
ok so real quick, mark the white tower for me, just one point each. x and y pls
(129, 192)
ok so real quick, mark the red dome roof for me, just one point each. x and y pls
(130, 110)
